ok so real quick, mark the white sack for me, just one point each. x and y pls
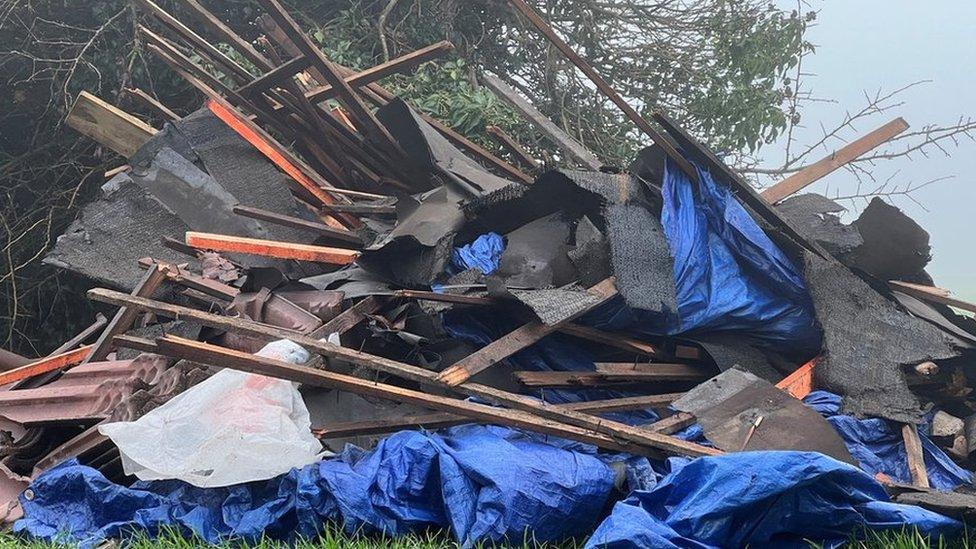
(234, 427)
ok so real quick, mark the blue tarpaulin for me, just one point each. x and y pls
(759, 499)
(482, 254)
(728, 274)
(877, 444)
(483, 483)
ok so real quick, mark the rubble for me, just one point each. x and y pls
(491, 341)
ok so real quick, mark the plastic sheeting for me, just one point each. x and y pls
(231, 428)
(483, 254)
(877, 444)
(728, 274)
(484, 483)
(759, 499)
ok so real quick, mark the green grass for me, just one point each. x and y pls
(334, 538)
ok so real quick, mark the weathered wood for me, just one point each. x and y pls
(573, 148)
(916, 461)
(837, 159)
(186, 279)
(275, 76)
(517, 340)
(299, 223)
(610, 339)
(361, 208)
(45, 365)
(136, 343)
(440, 420)
(110, 126)
(667, 372)
(152, 104)
(743, 190)
(363, 118)
(400, 65)
(80, 337)
(406, 371)
(513, 147)
(270, 248)
(226, 34)
(125, 316)
(605, 88)
(672, 424)
(228, 358)
(346, 320)
(445, 298)
(932, 294)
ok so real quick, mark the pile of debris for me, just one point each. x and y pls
(505, 348)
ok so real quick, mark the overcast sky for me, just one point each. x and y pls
(866, 44)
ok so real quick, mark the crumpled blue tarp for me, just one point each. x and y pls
(877, 444)
(728, 274)
(483, 254)
(759, 499)
(485, 483)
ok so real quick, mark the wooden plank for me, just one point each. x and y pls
(226, 34)
(742, 189)
(672, 424)
(610, 339)
(605, 88)
(837, 159)
(299, 223)
(408, 371)
(136, 343)
(363, 118)
(445, 298)
(573, 148)
(932, 294)
(440, 420)
(110, 126)
(799, 384)
(346, 320)
(275, 76)
(152, 104)
(45, 365)
(516, 340)
(126, 316)
(187, 279)
(916, 461)
(666, 372)
(270, 248)
(513, 147)
(228, 358)
(223, 62)
(399, 65)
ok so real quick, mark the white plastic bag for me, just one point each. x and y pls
(234, 427)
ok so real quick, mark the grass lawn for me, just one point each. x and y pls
(334, 538)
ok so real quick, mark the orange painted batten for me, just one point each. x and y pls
(271, 248)
(45, 365)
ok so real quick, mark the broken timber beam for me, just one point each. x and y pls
(298, 223)
(833, 161)
(228, 358)
(437, 421)
(605, 88)
(913, 449)
(516, 340)
(573, 148)
(110, 126)
(672, 424)
(667, 372)
(407, 371)
(270, 248)
(932, 294)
